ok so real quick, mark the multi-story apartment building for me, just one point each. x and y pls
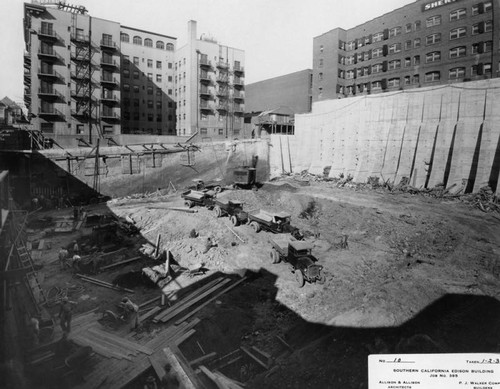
(209, 87)
(147, 75)
(83, 78)
(428, 42)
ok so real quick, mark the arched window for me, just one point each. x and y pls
(148, 42)
(124, 37)
(170, 47)
(160, 45)
(137, 40)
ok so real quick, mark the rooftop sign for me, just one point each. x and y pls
(435, 4)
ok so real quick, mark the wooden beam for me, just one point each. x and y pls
(184, 380)
(158, 365)
(194, 311)
(150, 313)
(204, 358)
(104, 284)
(247, 351)
(193, 301)
(184, 337)
(120, 263)
(147, 302)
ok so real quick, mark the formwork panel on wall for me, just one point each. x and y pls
(392, 150)
(442, 151)
(407, 151)
(489, 156)
(352, 155)
(427, 136)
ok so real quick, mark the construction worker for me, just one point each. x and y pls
(66, 314)
(63, 256)
(76, 248)
(132, 311)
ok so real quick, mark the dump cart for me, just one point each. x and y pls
(200, 185)
(275, 222)
(298, 254)
(231, 208)
(203, 199)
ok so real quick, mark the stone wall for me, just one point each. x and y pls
(438, 135)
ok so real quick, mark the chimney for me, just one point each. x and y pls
(192, 30)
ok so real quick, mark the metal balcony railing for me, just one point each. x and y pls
(205, 92)
(109, 80)
(49, 111)
(222, 65)
(237, 81)
(44, 33)
(205, 106)
(222, 79)
(49, 54)
(239, 69)
(205, 62)
(110, 116)
(109, 62)
(49, 92)
(49, 73)
(238, 96)
(79, 38)
(108, 44)
(205, 77)
(110, 98)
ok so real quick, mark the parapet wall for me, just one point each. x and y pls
(447, 135)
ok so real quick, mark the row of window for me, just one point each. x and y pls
(397, 47)
(136, 130)
(150, 103)
(137, 40)
(136, 89)
(126, 62)
(136, 73)
(150, 117)
(434, 56)
(457, 73)
(435, 20)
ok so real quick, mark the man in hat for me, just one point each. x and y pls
(133, 312)
(63, 256)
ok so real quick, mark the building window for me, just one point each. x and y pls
(433, 21)
(124, 37)
(160, 45)
(378, 37)
(407, 62)
(407, 80)
(408, 28)
(458, 33)
(377, 52)
(488, 25)
(158, 78)
(320, 62)
(126, 87)
(393, 82)
(126, 73)
(136, 60)
(487, 6)
(395, 31)
(148, 42)
(433, 57)
(126, 60)
(137, 40)
(150, 76)
(396, 64)
(457, 52)
(433, 39)
(432, 76)
(377, 68)
(416, 60)
(158, 104)
(395, 48)
(350, 46)
(150, 90)
(408, 45)
(377, 85)
(458, 14)
(150, 117)
(150, 103)
(158, 92)
(158, 64)
(135, 102)
(416, 79)
(488, 46)
(416, 43)
(456, 73)
(366, 55)
(136, 88)
(349, 60)
(487, 68)
(170, 47)
(321, 49)
(359, 72)
(169, 65)
(349, 75)
(150, 63)
(169, 92)
(320, 76)
(136, 74)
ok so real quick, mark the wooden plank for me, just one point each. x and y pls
(110, 342)
(157, 246)
(194, 311)
(41, 244)
(184, 337)
(187, 298)
(228, 382)
(103, 283)
(124, 342)
(193, 301)
(203, 358)
(212, 377)
(158, 365)
(148, 314)
(246, 351)
(147, 302)
(186, 376)
(120, 263)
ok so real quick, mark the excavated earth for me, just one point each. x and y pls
(419, 275)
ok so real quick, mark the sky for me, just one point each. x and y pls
(276, 35)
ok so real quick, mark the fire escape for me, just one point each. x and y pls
(83, 86)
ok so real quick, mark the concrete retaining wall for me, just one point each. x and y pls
(438, 135)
